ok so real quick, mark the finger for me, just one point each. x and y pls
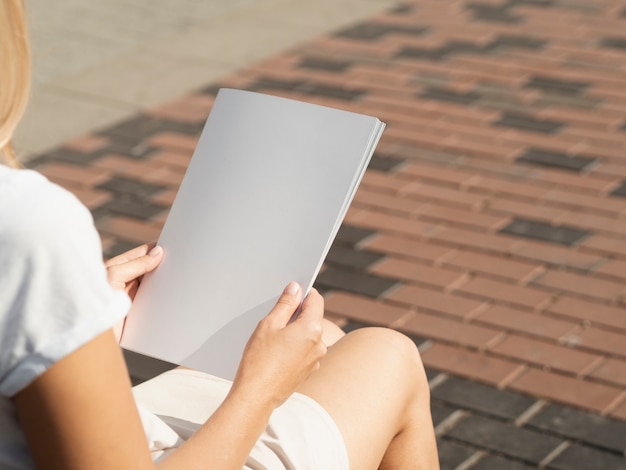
(129, 255)
(287, 304)
(130, 270)
(312, 307)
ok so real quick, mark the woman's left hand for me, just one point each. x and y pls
(124, 272)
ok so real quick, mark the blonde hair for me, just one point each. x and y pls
(14, 73)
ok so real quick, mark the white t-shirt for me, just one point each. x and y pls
(54, 295)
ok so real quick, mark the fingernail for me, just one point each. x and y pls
(292, 288)
(155, 251)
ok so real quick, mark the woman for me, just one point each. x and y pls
(305, 395)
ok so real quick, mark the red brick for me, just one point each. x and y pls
(464, 218)
(174, 140)
(523, 209)
(363, 309)
(523, 322)
(409, 248)
(449, 330)
(550, 253)
(130, 229)
(452, 197)
(597, 223)
(611, 370)
(579, 285)
(599, 340)
(433, 301)
(506, 293)
(438, 174)
(389, 223)
(416, 272)
(592, 396)
(165, 197)
(64, 173)
(593, 313)
(577, 201)
(498, 186)
(383, 182)
(87, 143)
(620, 411)
(473, 365)
(544, 354)
(179, 160)
(119, 164)
(616, 269)
(605, 245)
(392, 204)
(92, 198)
(190, 108)
(498, 244)
(584, 182)
(491, 265)
(166, 176)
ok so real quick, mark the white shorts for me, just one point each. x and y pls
(301, 435)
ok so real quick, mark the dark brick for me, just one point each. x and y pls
(352, 325)
(440, 411)
(130, 207)
(491, 462)
(384, 163)
(364, 31)
(343, 256)
(140, 127)
(529, 123)
(131, 187)
(478, 397)
(329, 91)
(504, 438)
(119, 247)
(351, 235)
(586, 427)
(451, 454)
(431, 373)
(620, 190)
(614, 42)
(442, 94)
(556, 85)
(136, 150)
(535, 3)
(560, 234)
(623, 15)
(372, 31)
(142, 368)
(401, 9)
(553, 159)
(578, 457)
(561, 99)
(317, 63)
(494, 14)
(353, 281)
(268, 83)
(462, 47)
(522, 42)
(423, 54)
(63, 155)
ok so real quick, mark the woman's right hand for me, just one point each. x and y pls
(281, 354)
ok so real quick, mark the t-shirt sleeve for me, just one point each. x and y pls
(54, 295)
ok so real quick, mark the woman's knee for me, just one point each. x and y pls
(397, 353)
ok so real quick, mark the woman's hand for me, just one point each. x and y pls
(125, 271)
(280, 355)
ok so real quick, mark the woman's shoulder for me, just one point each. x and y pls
(35, 211)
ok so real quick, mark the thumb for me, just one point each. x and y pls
(137, 267)
(287, 304)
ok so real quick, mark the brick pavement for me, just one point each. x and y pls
(490, 226)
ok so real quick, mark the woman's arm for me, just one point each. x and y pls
(81, 413)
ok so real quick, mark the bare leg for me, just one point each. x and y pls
(332, 333)
(373, 384)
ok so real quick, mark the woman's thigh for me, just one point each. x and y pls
(366, 382)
